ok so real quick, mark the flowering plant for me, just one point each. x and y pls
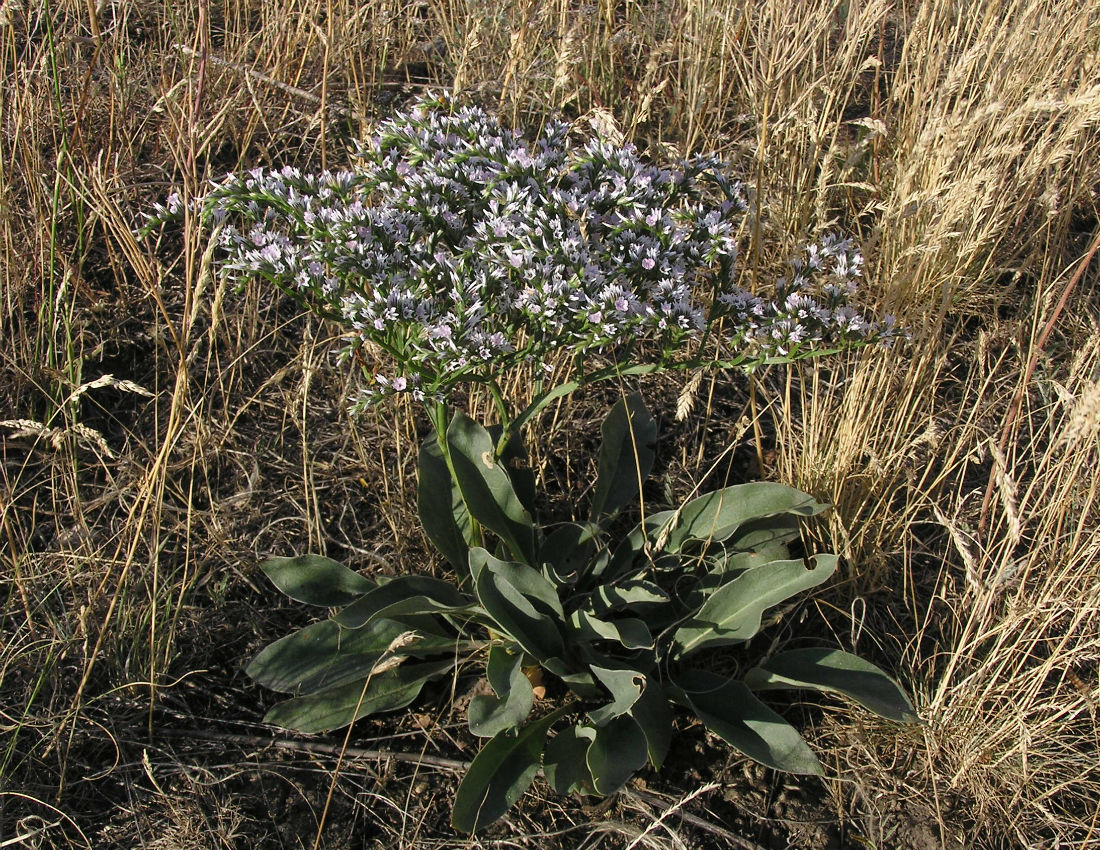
(455, 251)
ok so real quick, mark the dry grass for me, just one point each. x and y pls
(160, 433)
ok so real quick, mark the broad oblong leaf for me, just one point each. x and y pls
(404, 595)
(733, 613)
(522, 604)
(626, 456)
(634, 595)
(654, 717)
(487, 488)
(516, 464)
(625, 686)
(500, 773)
(732, 712)
(629, 551)
(631, 632)
(316, 580)
(838, 672)
(442, 512)
(761, 535)
(565, 762)
(618, 751)
(335, 707)
(722, 568)
(567, 552)
(323, 655)
(580, 682)
(488, 715)
(719, 515)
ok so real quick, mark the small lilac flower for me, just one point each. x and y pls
(461, 249)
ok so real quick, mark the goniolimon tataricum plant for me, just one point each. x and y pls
(454, 251)
(624, 624)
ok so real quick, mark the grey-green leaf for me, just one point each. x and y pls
(323, 655)
(654, 717)
(565, 762)
(617, 752)
(338, 706)
(409, 594)
(718, 515)
(500, 773)
(723, 567)
(516, 464)
(835, 671)
(521, 602)
(627, 594)
(732, 614)
(488, 715)
(625, 686)
(487, 488)
(567, 551)
(442, 512)
(631, 632)
(630, 547)
(730, 710)
(626, 456)
(766, 533)
(316, 580)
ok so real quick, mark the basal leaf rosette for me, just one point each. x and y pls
(621, 629)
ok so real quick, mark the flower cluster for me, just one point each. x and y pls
(461, 248)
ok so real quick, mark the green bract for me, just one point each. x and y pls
(623, 624)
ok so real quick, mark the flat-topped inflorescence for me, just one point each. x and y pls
(461, 248)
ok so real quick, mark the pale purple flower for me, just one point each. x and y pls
(462, 249)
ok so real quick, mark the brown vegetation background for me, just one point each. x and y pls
(160, 433)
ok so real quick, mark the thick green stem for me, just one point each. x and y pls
(440, 419)
(502, 408)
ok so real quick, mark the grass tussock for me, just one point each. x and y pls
(159, 433)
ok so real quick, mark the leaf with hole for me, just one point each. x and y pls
(625, 687)
(732, 614)
(654, 717)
